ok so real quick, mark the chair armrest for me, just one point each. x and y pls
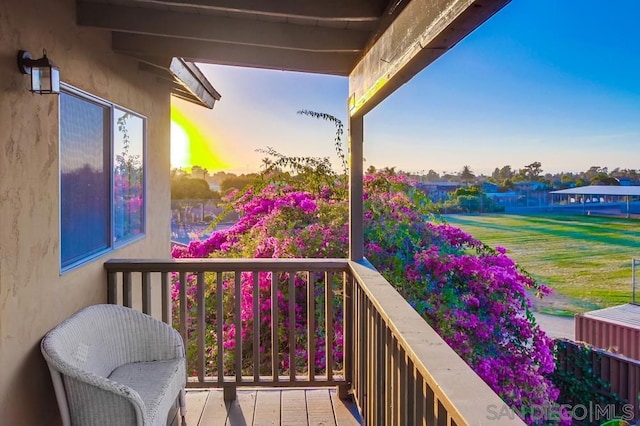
(97, 393)
(99, 396)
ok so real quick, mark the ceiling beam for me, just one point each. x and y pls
(198, 26)
(146, 46)
(422, 32)
(330, 10)
(160, 72)
(162, 62)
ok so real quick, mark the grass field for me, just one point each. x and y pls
(586, 259)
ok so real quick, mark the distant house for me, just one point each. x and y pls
(506, 199)
(626, 182)
(531, 186)
(488, 187)
(214, 186)
(559, 184)
(438, 191)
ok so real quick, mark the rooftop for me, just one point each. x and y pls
(626, 315)
(601, 190)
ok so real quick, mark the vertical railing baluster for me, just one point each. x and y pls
(402, 387)
(256, 327)
(328, 317)
(371, 349)
(421, 418)
(311, 328)
(355, 343)
(112, 287)
(347, 327)
(430, 405)
(238, 323)
(411, 393)
(146, 293)
(388, 375)
(380, 367)
(443, 416)
(201, 325)
(127, 294)
(292, 326)
(275, 352)
(166, 298)
(366, 367)
(395, 391)
(219, 327)
(183, 308)
(363, 351)
(373, 361)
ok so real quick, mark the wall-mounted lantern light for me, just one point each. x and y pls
(45, 76)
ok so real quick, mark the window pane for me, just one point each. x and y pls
(128, 173)
(84, 178)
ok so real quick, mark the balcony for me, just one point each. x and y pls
(355, 337)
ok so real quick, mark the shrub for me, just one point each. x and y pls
(472, 295)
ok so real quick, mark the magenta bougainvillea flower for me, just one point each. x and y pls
(474, 296)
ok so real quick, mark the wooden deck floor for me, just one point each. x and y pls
(286, 407)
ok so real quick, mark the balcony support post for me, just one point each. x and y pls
(356, 166)
(345, 390)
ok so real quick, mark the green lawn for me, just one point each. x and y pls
(586, 258)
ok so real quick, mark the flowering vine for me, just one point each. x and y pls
(472, 295)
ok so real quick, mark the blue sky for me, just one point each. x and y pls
(555, 81)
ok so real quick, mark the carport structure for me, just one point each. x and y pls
(597, 190)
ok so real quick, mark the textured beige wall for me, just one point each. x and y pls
(33, 295)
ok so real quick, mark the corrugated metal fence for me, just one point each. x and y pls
(622, 373)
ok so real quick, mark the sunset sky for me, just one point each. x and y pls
(546, 80)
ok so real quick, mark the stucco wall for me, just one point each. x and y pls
(33, 295)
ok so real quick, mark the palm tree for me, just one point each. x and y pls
(266, 163)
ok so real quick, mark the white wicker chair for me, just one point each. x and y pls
(112, 365)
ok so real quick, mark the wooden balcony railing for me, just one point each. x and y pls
(349, 327)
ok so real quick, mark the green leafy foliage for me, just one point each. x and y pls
(577, 376)
(186, 188)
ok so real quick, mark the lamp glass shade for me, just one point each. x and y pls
(45, 80)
